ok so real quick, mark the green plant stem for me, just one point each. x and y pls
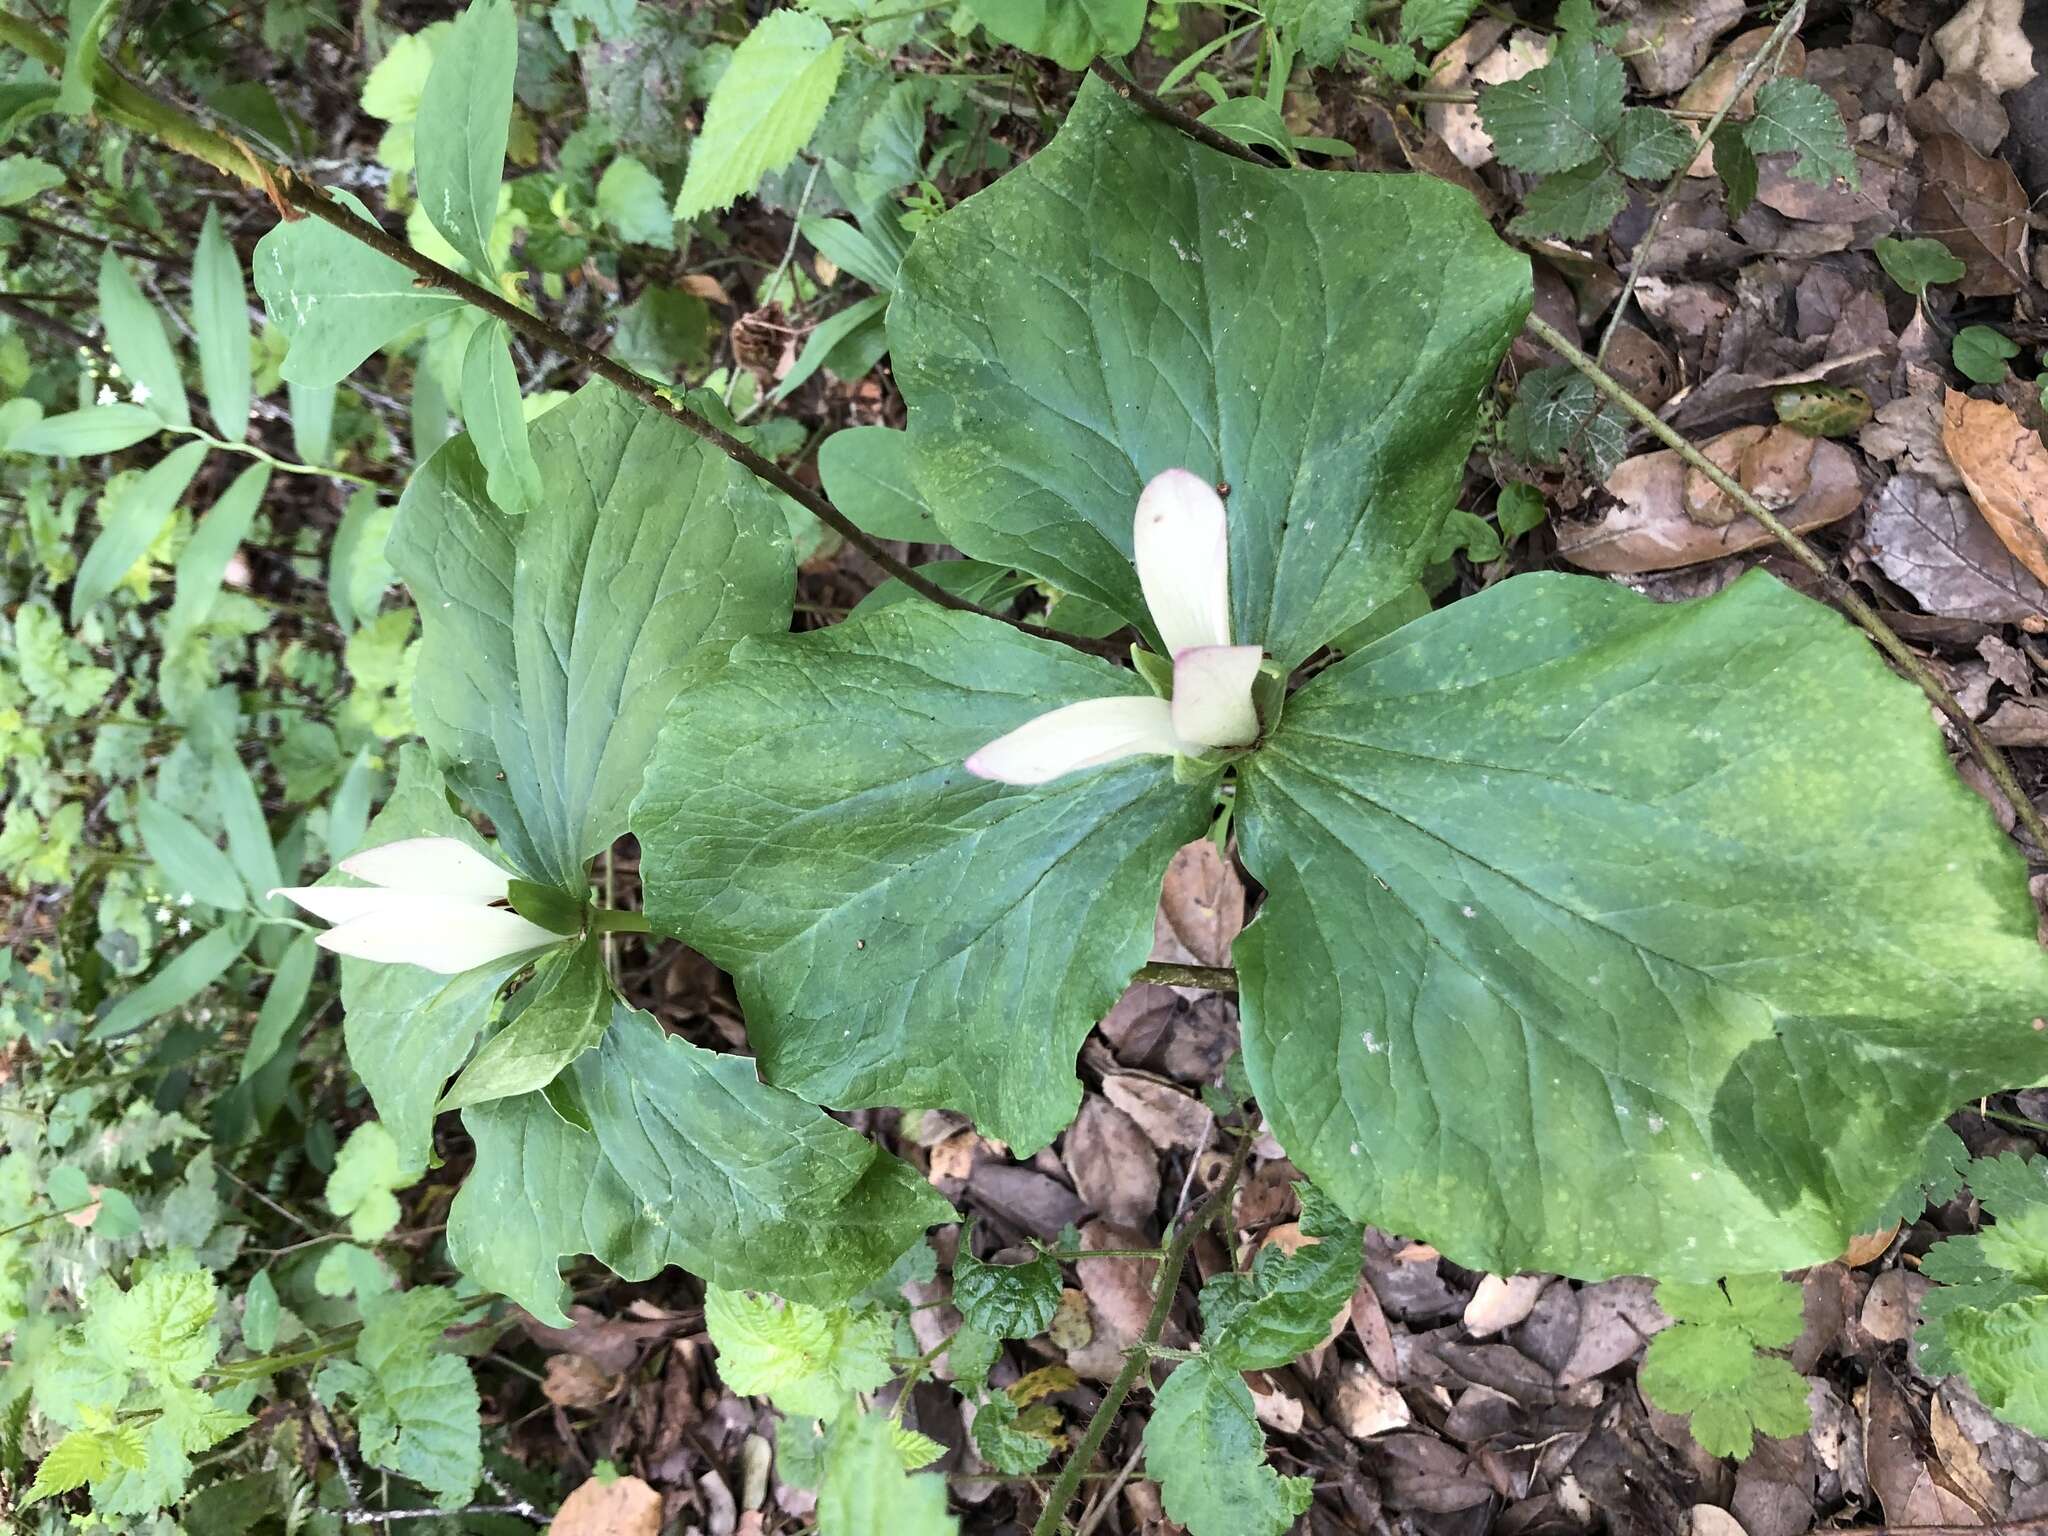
(613, 920)
(1838, 590)
(1075, 1255)
(1214, 978)
(177, 130)
(1781, 34)
(282, 466)
(1055, 1512)
(1154, 106)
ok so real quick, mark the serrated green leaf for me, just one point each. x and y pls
(554, 643)
(1707, 1364)
(1284, 1306)
(1012, 1440)
(1069, 32)
(135, 332)
(1205, 1450)
(1432, 23)
(2003, 1351)
(1916, 265)
(417, 1413)
(74, 1461)
(335, 300)
(1467, 810)
(866, 1492)
(161, 1328)
(1318, 29)
(220, 322)
(1798, 115)
(762, 110)
(465, 114)
(690, 1160)
(1981, 353)
(1006, 1301)
(133, 516)
(568, 1014)
(836, 760)
(808, 1361)
(1056, 354)
(363, 1184)
(48, 662)
(1572, 204)
(1651, 144)
(497, 425)
(633, 205)
(1557, 117)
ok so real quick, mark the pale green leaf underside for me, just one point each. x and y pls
(1604, 937)
(902, 932)
(690, 1159)
(552, 643)
(1318, 341)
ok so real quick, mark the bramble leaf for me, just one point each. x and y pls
(809, 1361)
(1284, 1306)
(1557, 117)
(1006, 1301)
(1798, 115)
(1204, 1448)
(1572, 204)
(762, 110)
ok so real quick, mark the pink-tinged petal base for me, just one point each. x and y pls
(1077, 736)
(436, 934)
(1212, 695)
(1181, 546)
(439, 866)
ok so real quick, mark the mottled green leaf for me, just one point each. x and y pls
(1006, 1301)
(1572, 204)
(1069, 32)
(1798, 115)
(1205, 1450)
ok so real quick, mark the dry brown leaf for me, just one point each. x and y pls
(1071, 1327)
(706, 287)
(2018, 723)
(2005, 469)
(1712, 1520)
(1113, 1164)
(1866, 1246)
(1167, 1116)
(625, 1506)
(1974, 205)
(1500, 1303)
(1938, 547)
(1363, 1406)
(1986, 42)
(1667, 41)
(1201, 907)
(577, 1381)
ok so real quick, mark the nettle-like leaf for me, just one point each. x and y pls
(865, 1490)
(808, 1361)
(1559, 116)
(1284, 1306)
(1798, 115)
(1991, 1301)
(1204, 1448)
(1709, 1364)
(1005, 1301)
(762, 110)
(1624, 906)
(417, 1412)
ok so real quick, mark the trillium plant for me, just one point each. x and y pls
(1183, 560)
(1581, 945)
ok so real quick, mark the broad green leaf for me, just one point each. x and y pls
(1651, 144)
(23, 177)
(417, 1413)
(465, 114)
(808, 1361)
(1003, 1434)
(249, 842)
(1981, 353)
(1798, 115)
(1556, 117)
(868, 473)
(366, 1175)
(990, 586)
(80, 434)
(203, 562)
(1624, 903)
(191, 861)
(191, 971)
(1255, 121)
(1572, 204)
(282, 1004)
(133, 515)
(662, 332)
(1519, 510)
(358, 575)
(1917, 265)
(633, 205)
(569, 1013)
(336, 300)
(1284, 1306)
(689, 1159)
(1006, 1301)
(808, 824)
(763, 109)
(855, 252)
(135, 333)
(312, 420)
(553, 643)
(497, 425)
(1056, 353)
(866, 1492)
(1069, 32)
(86, 28)
(1433, 23)
(1205, 1450)
(220, 320)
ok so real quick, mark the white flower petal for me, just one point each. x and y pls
(444, 936)
(1182, 550)
(1077, 736)
(333, 903)
(1212, 695)
(439, 866)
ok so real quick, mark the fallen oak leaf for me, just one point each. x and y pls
(2005, 469)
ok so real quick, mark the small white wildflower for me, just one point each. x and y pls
(107, 395)
(184, 926)
(163, 914)
(185, 898)
(139, 394)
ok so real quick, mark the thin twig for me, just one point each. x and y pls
(1773, 45)
(1167, 112)
(1140, 1355)
(1838, 590)
(180, 131)
(1213, 978)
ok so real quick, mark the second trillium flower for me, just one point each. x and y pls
(1181, 547)
(429, 901)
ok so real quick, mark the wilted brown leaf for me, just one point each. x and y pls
(1975, 206)
(1500, 1303)
(1201, 907)
(577, 1381)
(1668, 40)
(625, 1506)
(1113, 1164)
(1938, 547)
(1168, 1117)
(2005, 469)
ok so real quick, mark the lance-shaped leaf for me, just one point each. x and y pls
(1318, 341)
(688, 1159)
(901, 931)
(464, 119)
(1610, 937)
(554, 642)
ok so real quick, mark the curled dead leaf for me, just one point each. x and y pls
(625, 1506)
(1866, 1246)
(1974, 205)
(2005, 469)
